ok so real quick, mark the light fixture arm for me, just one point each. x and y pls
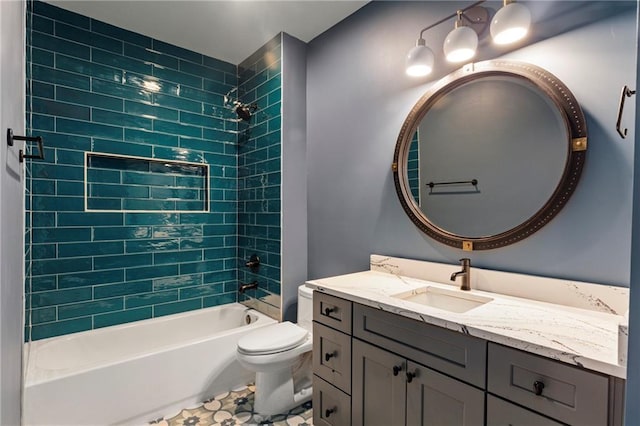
(453, 15)
(459, 19)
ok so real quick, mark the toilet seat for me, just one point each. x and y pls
(272, 339)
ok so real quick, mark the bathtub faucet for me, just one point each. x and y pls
(253, 262)
(249, 286)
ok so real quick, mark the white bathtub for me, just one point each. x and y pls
(134, 373)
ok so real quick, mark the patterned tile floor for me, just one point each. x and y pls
(236, 408)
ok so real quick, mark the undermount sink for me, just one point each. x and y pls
(448, 300)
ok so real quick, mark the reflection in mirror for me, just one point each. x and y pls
(413, 167)
(490, 154)
(502, 132)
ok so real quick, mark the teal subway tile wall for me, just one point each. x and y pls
(259, 171)
(98, 88)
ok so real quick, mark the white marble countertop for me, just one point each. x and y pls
(582, 337)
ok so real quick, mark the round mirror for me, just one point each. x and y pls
(489, 154)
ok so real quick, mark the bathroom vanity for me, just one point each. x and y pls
(390, 349)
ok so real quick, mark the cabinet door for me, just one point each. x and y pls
(503, 413)
(332, 356)
(378, 390)
(438, 400)
(331, 406)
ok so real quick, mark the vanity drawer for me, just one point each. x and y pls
(568, 394)
(455, 354)
(503, 413)
(332, 311)
(331, 406)
(332, 356)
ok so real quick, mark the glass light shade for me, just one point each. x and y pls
(460, 44)
(510, 24)
(420, 61)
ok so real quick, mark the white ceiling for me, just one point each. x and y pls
(230, 30)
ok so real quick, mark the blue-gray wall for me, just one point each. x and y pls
(358, 97)
(12, 81)
(633, 364)
(294, 172)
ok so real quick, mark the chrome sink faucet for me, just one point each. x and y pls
(465, 274)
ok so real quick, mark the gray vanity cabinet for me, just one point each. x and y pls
(389, 390)
(373, 367)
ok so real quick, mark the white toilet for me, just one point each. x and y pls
(280, 355)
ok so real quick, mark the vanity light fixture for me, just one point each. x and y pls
(420, 59)
(461, 43)
(510, 24)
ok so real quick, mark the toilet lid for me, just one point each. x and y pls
(272, 338)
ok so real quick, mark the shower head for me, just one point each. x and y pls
(244, 111)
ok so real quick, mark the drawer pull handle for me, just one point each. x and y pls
(538, 387)
(328, 355)
(410, 376)
(397, 369)
(328, 412)
(327, 311)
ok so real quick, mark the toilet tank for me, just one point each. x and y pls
(305, 307)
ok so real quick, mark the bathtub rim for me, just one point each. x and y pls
(33, 375)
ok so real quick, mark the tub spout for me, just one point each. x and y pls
(249, 286)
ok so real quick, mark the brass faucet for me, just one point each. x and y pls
(465, 273)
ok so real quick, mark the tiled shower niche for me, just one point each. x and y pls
(125, 183)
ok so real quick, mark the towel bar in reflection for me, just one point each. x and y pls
(473, 182)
